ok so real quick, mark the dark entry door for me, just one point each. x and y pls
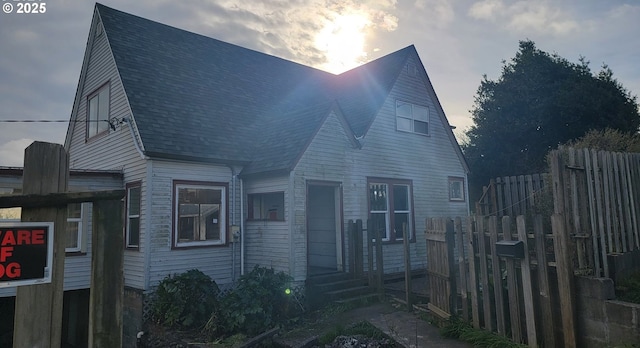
(321, 228)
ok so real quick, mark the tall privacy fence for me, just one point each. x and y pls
(511, 268)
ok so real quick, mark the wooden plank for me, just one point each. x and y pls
(407, 268)
(575, 207)
(626, 203)
(548, 337)
(484, 275)
(379, 264)
(564, 272)
(600, 214)
(450, 266)
(527, 291)
(507, 196)
(57, 199)
(564, 266)
(461, 267)
(370, 238)
(617, 191)
(592, 212)
(351, 235)
(496, 272)
(359, 249)
(606, 201)
(494, 201)
(515, 200)
(473, 282)
(499, 193)
(512, 287)
(522, 199)
(531, 193)
(107, 275)
(632, 203)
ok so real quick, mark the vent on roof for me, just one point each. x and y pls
(99, 30)
(412, 69)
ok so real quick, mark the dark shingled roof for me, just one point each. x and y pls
(202, 99)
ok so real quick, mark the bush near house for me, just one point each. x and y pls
(191, 300)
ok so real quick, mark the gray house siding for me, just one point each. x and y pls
(428, 161)
(215, 261)
(327, 159)
(267, 243)
(115, 150)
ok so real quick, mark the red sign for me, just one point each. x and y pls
(26, 253)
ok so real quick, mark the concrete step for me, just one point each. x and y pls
(341, 284)
(359, 300)
(348, 293)
(328, 278)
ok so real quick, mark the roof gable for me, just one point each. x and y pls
(201, 99)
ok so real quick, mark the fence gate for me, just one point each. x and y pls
(440, 263)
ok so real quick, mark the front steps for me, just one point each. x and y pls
(338, 287)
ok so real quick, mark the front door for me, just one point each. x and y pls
(323, 229)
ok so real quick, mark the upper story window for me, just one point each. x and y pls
(200, 213)
(133, 215)
(412, 118)
(390, 208)
(98, 112)
(266, 206)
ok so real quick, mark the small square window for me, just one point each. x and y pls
(456, 189)
(266, 206)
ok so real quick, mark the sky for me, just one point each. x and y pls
(458, 42)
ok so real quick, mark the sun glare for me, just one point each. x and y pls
(343, 40)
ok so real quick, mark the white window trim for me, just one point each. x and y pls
(387, 231)
(95, 123)
(221, 218)
(412, 118)
(79, 237)
(130, 216)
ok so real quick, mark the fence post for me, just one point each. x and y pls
(359, 249)
(107, 281)
(38, 308)
(352, 247)
(563, 251)
(379, 263)
(527, 291)
(370, 236)
(462, 268)
(453, 288)
(407, 267)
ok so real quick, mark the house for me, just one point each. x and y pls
(233, 158)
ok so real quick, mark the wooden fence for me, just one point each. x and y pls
(513, 195)
(598, 193)
(512, 296)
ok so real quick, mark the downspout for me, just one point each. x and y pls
(233, 222)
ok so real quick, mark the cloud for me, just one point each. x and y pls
(12, 152)
(525, 16)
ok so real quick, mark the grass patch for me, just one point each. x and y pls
(628, 289)
(460, 330)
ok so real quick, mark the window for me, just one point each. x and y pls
(200, 214)
(74, 228)
(133, 215)
(390, 208)
(266, 206)
(98, 112)
(456, 189)
(412, 118)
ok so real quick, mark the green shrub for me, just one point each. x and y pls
(628, 289)
(185, 300)
(258, 303)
